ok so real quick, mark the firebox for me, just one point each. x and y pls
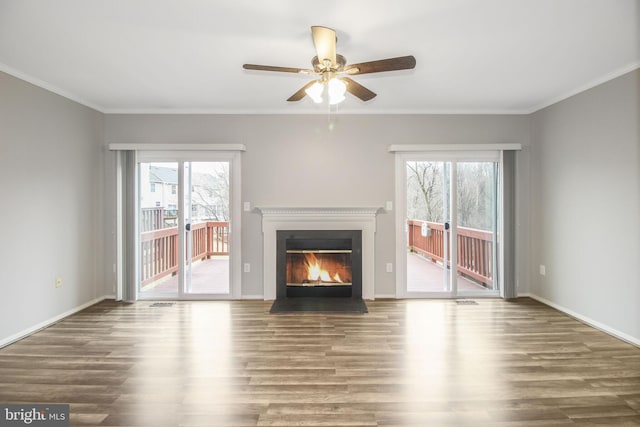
(319, 267)
(319, 263)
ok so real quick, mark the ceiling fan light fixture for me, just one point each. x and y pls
(315, 92)
(336, 89)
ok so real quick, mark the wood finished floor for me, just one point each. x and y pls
(405, 363)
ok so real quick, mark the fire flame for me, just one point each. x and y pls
(316, 273)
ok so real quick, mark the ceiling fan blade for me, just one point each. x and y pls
(301, 93)
(324, 39)
(391, 64)
(272, 68)
(358, 90)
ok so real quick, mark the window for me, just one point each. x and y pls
(153, 187)
(174, 189)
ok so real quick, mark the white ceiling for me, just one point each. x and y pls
(186, 56)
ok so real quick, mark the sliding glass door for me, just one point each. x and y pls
(184, 225)
(450, 226)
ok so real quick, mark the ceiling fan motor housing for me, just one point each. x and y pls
(327, 66)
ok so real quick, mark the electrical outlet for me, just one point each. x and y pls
(389, 267)
(247, 267)
(247, 206)
(543, 270)
(58, 282)
(389, 206)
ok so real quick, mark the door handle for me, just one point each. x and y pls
(187, 227)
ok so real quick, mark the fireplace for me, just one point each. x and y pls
(319, 263)
(294, 219)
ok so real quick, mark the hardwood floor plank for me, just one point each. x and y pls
(405, 363)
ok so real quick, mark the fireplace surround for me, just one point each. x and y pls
(276, 219)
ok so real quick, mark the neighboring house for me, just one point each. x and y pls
(159, 187)
(159, 190)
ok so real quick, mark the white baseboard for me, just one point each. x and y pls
(385, 296)
(601, 326)
(24, 333)
(252, 297)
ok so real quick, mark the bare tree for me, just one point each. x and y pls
(211, 192)
(476, 189)
(476, 185)
(425, 191)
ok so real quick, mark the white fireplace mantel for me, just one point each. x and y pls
(318, 218)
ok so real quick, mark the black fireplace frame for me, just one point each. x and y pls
(312, 239)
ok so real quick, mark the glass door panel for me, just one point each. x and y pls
(477, 196)
(427, 225)
(158, 229)
(207, 225)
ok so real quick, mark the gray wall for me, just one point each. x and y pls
(52, 205)
(586, 204)
(302, 160)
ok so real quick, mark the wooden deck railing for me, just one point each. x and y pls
(159, 248)
(475, 248)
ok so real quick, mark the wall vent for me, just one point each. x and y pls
(466, 302)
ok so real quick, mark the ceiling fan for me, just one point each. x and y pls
(329, 65)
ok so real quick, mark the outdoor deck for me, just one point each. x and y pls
(424, 275)
(209, 276)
